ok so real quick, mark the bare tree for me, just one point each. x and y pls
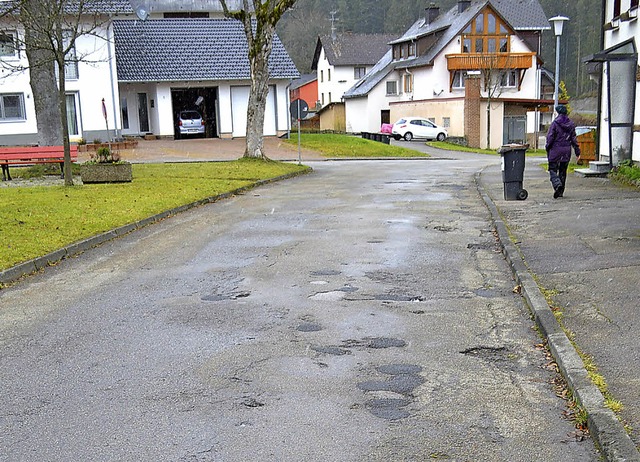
(51, 28)
(259, 19)
(496, 76)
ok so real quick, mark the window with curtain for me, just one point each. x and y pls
(12, 107)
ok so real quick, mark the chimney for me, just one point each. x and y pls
(432, 13)
(463, 5)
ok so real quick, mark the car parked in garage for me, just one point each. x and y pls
(190, 123)
(417, 127)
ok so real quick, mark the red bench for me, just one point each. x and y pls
(27, 155)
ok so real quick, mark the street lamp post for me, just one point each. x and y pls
(558, 23)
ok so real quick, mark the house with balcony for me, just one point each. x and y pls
(617, 67)
(474, 70)
(147, 71)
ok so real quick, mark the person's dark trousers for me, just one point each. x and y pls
(558, 176)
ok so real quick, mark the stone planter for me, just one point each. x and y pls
(129, 144)
(106, 173)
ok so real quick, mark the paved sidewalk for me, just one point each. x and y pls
(585, 249)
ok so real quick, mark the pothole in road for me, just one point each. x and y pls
(309, 327)
(486, 293)
(445, 228)
(500, 356)
(224, 297)
(325, 272)
(389, 409)
(398, 298)
(385, 342)
(405, 378)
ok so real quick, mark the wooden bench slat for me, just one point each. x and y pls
(23, 155)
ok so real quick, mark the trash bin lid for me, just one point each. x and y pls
(513, 147)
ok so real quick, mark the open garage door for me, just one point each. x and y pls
(203, 100)
(239, 104)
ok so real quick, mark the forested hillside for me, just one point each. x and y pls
(300, 28)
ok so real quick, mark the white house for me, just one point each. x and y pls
(618, 68)
(340, 60)
(474, 69)
(146, 72)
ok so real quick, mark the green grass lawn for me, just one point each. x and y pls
(37, 220)
(332, 145)
(457, 147)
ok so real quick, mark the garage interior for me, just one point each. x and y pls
(204, 100)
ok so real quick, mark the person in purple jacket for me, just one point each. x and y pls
(560, 139)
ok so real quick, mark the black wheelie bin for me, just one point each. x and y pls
(513, 159)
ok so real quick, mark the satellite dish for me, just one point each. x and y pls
(142, 13)
(141, 8)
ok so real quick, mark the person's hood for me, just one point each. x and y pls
(564, 122)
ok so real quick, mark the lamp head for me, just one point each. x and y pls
(558, 23)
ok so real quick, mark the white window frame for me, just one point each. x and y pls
(74, 96)
(359, 72)
(20, 118)
(14, 36)
(392, 87)
(509, 79)
(459, 78)
(407, 83)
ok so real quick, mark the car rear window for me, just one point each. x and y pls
(189, 115)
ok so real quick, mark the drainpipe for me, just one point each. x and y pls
(113, 93)
(603, 16)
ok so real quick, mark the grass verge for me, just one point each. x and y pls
(341, 146)
(589, 364)
(494, 152)
(40, 219)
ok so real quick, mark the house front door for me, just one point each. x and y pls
(143, 113)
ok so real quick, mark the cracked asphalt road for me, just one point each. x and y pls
(359, 313)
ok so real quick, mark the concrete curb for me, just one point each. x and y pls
(606, 430)
(17, 272)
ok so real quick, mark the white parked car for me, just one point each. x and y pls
(417, 127)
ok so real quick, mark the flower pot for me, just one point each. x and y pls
(106, 173)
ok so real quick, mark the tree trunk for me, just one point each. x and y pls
(62, 102)
(42, 75)
(258, 98)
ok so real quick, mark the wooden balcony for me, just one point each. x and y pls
(478, 61)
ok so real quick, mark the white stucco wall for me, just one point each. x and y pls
(334, 80)
(627, 30)
(94, 83)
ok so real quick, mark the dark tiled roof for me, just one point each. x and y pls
(90, 6)
(303, 80)
(355, 49)
(189, 49)
(521, 15)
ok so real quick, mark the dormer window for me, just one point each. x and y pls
(412, 49)
(486, 33)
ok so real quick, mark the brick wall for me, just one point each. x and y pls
(472, 111)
